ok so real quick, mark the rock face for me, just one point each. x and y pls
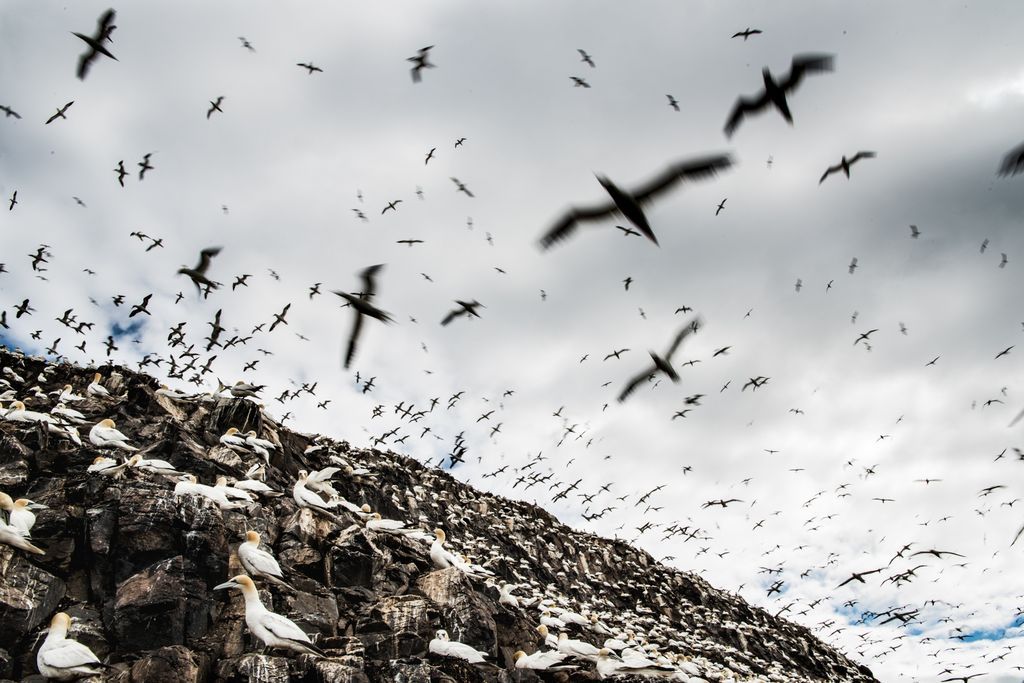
(135, 566)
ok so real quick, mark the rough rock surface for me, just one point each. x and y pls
(136, 566)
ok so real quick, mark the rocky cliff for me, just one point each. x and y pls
(135, 566)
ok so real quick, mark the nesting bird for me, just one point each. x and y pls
(274, 630)
(61, 659)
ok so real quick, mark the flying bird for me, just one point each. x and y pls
(215, 106)
(914, 232)
(585, 58)
(747, 33)
(578, 82)
(460, 187)
(121, 172)
(466, 308)
(420, 62)
(104, 27)
(630, 204)
(13, 200)
(309, 67)
(8, 112)
(198, 274)
(362, 306)
(60, 113)
(662, 363)
(144, 165)
(844, 164)
(775, 91)
(673, 102)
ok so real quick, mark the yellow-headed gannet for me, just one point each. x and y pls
(260, 446)
(441, 557)
(153, 466)
(104, 435)
(273, 629)
(61, 659)
(97, 389)
(506, 597)
(188, 486)
(442, 645)
(19, 513)
(12, 536)
(231, 438)
(16, 412)
(107, 466)
(540, 660)
(549, 639)
(259, 562)
(67, 394)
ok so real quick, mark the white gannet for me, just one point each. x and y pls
(308, 499)
(506, 597)
(259, 562)
(67, 394)
(104, 435)
(393, 526)
(577, 648)
(172, 394)
(230, 438)
(12, 536)
(17, 413)
(442, 558)
(188, 486)
(19, 513)
(273, 629)
(153, 466)
(550, 621)
(68, 413)
(61, 659)
(607, 666)
(442, 645)
(256, 486)
(232, 492)
(97, 389)
(320, 481)
(107, 466)
(540, 660)
(261, 446)
(571, 617)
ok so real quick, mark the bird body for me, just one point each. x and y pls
(272, 629)
(61, 659)
(443, 645)
(105, 435)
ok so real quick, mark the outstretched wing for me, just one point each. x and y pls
(635, 382)
(353, 338)
(695, 169)
(863, 155)
(829, 171)
(368, 278)
(565, 227)
(805, 64)
(204, 259)
(1013, 163)
(740, 109)
(683, 334)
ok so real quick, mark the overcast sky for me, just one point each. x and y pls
(936, 89)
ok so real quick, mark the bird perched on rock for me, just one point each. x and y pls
(258, 562)
(274, 630)
(443, 645)
(60, 659)
(105, 435)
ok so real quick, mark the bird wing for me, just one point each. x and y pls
(263, 562)
(84, 62)
(828, 172)
(69, 654)
(567, 224)
(703, 167)
(635, 382)
(742, 106)
(283, 628)
(1013, 162)
(683, 333)
(804, 64)
(452, 315)
(863, 155)
(204, 259)
(368, 277)
(353, 338)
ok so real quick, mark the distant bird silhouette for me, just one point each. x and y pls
(141, 308)
(914, 232)
(578, 82)
(845, 164)
(144, 165)
(459, 142)
(1013, 163)
(775, 91)
(662, 363)
(629, 204)
(60, 113)
(13, 200)
(246, 44)
(215, 106)
(721, 206)
(853, 265)
(310, 68)
(465, 308)
(391, 205)
(672, 102)
(198, 274)
(362, 306)
(585, 58)
(121, 172)
(420, 62)
(104, 27)
(460, 187)
(747, 33)
(8, 112)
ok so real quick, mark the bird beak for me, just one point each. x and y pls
(226, 584)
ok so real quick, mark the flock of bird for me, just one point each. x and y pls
(183, 360)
